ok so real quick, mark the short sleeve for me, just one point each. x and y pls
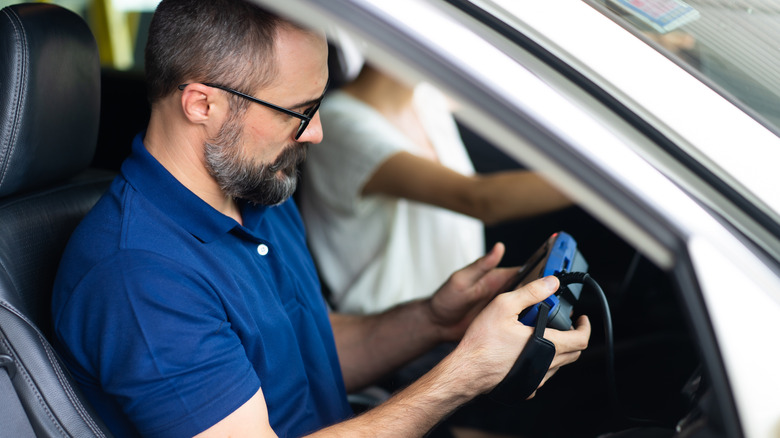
(159, 342)
(356, 140)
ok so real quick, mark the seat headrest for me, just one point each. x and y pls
(49, 96)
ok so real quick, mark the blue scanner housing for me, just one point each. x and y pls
(563, 256)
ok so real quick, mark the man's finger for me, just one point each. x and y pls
(487, 262)
(571, 340)
(565, 359)
(477, 269)
(533, 292)
(569, 344)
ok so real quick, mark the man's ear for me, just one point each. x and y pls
(202, 104)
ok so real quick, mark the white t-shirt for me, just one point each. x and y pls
(374, 252)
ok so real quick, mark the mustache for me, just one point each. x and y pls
(290, 159)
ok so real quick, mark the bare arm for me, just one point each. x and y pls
(412, 412)
(491, 197)
(250, 420)
(489, 347)
(371, 346)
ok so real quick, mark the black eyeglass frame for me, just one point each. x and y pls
(305, 116)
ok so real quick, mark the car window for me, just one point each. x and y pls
(729, 44)
(707, 121)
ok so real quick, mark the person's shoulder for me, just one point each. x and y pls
(98, 231)
(111, 228)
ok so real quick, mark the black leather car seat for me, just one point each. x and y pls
(49, 110)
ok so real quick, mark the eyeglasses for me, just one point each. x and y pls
(305, 116)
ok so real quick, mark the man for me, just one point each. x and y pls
(187, 302)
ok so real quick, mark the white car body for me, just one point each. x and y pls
(723, 260)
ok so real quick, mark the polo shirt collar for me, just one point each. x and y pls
(155, 183)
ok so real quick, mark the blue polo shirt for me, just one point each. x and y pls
(171, 315)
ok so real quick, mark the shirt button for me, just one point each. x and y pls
(262, 249)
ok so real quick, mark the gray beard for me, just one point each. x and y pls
(241, 178)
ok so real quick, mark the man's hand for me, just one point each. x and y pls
(370, 346)
(466, 292)
(469, 306)
(567, 348)
(495, 339)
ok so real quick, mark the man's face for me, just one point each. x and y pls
(255, 156)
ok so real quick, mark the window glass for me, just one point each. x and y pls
(731, 44)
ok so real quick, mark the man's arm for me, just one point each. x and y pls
(371, 346)
(489, 348)
(249, 420)
(481, 360)
(409, 413)
(491, 198)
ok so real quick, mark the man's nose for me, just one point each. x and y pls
(313, 133)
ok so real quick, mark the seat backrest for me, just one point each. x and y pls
(49, 111)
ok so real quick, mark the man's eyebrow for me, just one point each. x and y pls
(311, 102)
(307, 103)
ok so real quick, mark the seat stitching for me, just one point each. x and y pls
(60, 377)
(23, 371)
(21, 71)
(69, 391)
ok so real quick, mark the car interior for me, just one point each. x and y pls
(66, 126)
(50, 110)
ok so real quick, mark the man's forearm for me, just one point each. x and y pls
(415, 410)
(372, 346)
